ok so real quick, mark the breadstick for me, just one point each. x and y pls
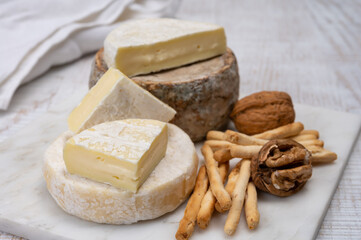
(238, 195)
(250, 206)
(303, 137)
(218, 144)
(232, 178)
(285, 131)
(313, 132)
(206, 210)
(186, 224)
(222, 155)
(208, 201)
(239, 151)
(312, 142)
(215, 135)
(218, 207)
(215, 179)
(231, 182)
(321, 155)
(242, 139)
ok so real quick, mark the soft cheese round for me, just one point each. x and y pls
(166, 188)
(202, 93)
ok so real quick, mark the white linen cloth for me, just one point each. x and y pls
(38, 34)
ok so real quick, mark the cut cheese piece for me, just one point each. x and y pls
(166, 188)
(116, 97)
(122, 153)
(150, 45)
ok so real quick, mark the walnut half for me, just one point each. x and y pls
(282, 167)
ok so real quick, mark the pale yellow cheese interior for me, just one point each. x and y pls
(151, 45)
(122, 153)
(117, 97)
(86, 107)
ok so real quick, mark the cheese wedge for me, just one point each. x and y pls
(116, 97)
(166, 188)
(122, 153)
(150, 45)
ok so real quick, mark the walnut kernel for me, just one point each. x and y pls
(282, 167)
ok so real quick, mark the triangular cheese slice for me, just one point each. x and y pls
(117, 97)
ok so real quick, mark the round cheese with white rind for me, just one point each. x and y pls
(166, 188)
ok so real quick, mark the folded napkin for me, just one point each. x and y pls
(38, 34)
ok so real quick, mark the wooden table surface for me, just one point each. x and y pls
(310, 49)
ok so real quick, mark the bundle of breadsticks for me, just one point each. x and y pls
(231, 144)
(210, 193)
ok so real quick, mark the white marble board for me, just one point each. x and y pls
(27, 209)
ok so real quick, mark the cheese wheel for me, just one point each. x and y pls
(166, 188)
(202, 93)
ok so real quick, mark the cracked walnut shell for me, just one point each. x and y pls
(262, 111)
(282, 167)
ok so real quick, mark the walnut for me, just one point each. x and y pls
(263, 111)
(282, 167)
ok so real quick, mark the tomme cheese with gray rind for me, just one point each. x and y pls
(202, 93)
(150, 45)
(166, 188)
